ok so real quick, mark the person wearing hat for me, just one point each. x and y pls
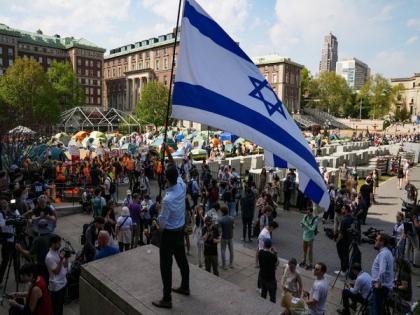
(124, 229)
(171, 222)
(268, 262)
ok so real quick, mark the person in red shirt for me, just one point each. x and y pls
(37, 299)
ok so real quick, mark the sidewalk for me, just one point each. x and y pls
(244, 274)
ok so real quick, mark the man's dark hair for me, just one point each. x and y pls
(136, 195)
(29, 269)
(224, 210)
(99, 220)
(323, 267)
(54, 239)
(386, 239)
(171, 173)
(216, 206)
(273, 224)
(97, 191)
(357, 267)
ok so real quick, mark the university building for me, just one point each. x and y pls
(355, 72)
(127, 70)
(85, 57)
(410, 96)
(329, 54)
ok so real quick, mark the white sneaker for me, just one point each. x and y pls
(259, 290)
(339, 272)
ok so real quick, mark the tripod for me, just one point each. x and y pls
(354, 253)
(13, 258)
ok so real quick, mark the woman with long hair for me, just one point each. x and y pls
(198, 227)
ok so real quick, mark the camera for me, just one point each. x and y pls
(67, 252)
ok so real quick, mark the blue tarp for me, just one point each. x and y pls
(226, 136)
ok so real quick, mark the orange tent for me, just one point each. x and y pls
(79, 136)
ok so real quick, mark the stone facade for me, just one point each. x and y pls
(85, 57)
(127, 69)
(410, 95)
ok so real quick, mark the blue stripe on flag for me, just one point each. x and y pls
(314, 192)
(212, 30)
(204, 99)
(279, 162)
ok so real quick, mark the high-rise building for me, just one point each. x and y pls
(329, 54)
(85, 57)
(354, 71)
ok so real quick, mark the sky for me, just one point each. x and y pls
(385, 34)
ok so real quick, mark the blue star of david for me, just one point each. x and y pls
(257, 93)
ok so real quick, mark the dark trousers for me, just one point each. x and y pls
(144, 224)
(210, 262)
(378, 300)
(194, 197)
(57, 300)
(348, 296)
(343, 248)
(270, 287)
(330, 212)
(246, 226)
(172, 244)
(287, 195)
(8, 251)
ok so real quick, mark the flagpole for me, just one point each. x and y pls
(168, 105)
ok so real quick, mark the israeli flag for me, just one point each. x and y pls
(217, 84)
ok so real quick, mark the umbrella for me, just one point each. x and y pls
(239, 140)
(179, 137)
(62, 137)
(21, 130)
(158, 142)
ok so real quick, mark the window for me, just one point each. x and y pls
(87, 91)
(91, 90)
(87, 63)
(114, 71)
(157, 53)
(1, 61)
(10, 51)
(147, 64)
(79, 62)
(265, 76)
(109, 73)
(140, 65)
(1, 71)
(48, 61)
(98, 74)
(157, 62)
(98, 64)
(119, 71)
(165, 63)
(275, 68)
(83, 81)
(91, 63)
(98, 100)
(95, 82)
(91, 73)
(165, 81)
(87, 99)
(79, 71)
(86, 72)
(1, 50)
(10, 62)
(99, 91)
(91, 99)
(274, 77)
(165, 51)
(265, 68)
(40, 59)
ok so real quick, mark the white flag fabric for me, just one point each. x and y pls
(217, 84)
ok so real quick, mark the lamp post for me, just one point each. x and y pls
(360, 109)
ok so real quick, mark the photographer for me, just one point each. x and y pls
(7, 237)
(37, 300)
(91, 238)
(412, 235)
(44, 211)
(57, 263)
(359, 292)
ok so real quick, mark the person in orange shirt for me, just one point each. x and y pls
(130, 171)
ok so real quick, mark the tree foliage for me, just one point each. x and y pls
(34, 98)
(153, 102)
(28, 95)
(67, 88)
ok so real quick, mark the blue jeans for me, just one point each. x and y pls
(377, 301)
(232, 208)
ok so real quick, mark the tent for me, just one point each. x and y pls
(158, 142)
(80, 136)
(62, 137)
(179, 137)
(226, 136)
(21, 130)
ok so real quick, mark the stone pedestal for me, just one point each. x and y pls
(127, 283)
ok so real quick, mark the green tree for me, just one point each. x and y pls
(67, 88)
(152, 105)
(28, 93)
(378, 96)
(309, 89)
(335, 96)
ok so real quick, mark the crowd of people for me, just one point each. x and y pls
(196, 206)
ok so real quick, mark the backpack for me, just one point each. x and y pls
(112, 186)
(316, 229)
(83, 236)
(189, 187)
(97, 206)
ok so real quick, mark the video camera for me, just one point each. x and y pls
(68, 249)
